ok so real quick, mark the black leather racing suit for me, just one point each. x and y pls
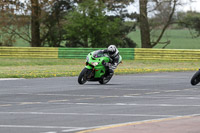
(114, 61)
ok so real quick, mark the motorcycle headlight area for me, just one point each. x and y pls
(94, 63)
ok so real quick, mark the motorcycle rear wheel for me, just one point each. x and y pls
(105, 80)
(196, 78)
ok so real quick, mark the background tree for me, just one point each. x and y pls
(53, 21)
(144, 25)
(89, 26)
(47, 21)
(10, 21)
(118, 9)
(38, 22)
(161, 8)
(190, 20)
(35, 23)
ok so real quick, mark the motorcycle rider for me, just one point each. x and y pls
(113, 53)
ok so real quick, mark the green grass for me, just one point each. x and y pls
(41, 68)
(32, 68)
(180, 39)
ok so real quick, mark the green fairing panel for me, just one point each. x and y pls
(97, 56)
(88, 67)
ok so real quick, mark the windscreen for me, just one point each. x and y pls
(98, 54)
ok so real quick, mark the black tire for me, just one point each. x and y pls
(82, 76)
(196, 78)
(105, 80)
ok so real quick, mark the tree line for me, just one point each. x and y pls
(90, 23)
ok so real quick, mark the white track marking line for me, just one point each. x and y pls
(120, 104)
(64, 102)
(3, 79)
(172, 90)
(83, 114)
(42, 127)
(5, 105)
(129, 104)
(54, 101)
(28, 103)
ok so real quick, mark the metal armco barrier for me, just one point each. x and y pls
(167, 54)
(28, 52)
(81, 53)
(74, 53)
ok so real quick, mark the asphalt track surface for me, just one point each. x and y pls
(61, 105)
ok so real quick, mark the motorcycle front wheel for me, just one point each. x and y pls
(82, 76)
(196, 78)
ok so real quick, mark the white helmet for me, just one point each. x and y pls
(112, 50)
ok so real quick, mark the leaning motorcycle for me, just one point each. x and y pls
(195, 78)
(95, 69)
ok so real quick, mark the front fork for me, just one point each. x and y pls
(90, 72)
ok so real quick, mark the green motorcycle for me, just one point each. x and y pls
(95, 70)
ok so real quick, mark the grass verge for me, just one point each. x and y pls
(42, 68)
